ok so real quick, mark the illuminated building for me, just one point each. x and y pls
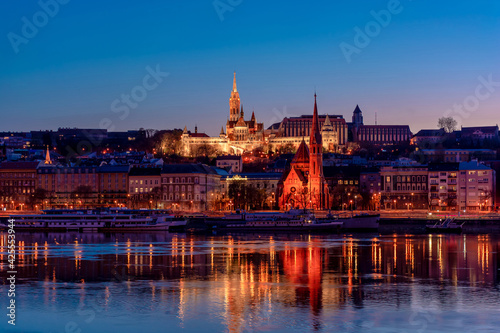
(241, 135)
(304, 184)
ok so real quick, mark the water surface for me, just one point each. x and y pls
(161, 282)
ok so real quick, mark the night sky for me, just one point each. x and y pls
(416, 65)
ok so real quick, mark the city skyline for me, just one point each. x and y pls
(419, 61)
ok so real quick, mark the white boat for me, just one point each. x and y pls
(92, 221)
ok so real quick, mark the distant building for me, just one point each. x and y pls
(370, 181)
(190, 187)
(113, 185)
(18, 182)
(428, 137)
(233, 162)
(457, 155)
(63, 185)
(404, 187)
(292, 130)
(241, 135)
(377, 134)
(464, 186)
(480, 133)
(144, 184)
(267, 181)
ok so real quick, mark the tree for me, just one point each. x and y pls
(448, 123)
(82, 193)
(205, 150)
(155, 195)
(38, 196)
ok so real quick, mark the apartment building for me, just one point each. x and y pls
(404, 187)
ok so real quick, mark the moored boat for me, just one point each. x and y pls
(97, 221)
(449, 225)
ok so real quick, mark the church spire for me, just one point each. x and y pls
(47, 157)
(315, 133)
(234, 102)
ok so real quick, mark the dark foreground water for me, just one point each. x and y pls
(242, 283)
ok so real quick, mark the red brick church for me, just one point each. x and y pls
(303, 184)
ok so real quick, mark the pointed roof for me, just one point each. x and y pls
(47, 157)
(357, 109)
(315, 133)
(327, 122)
(253, 116)
(302, 154)
(242, 113)
(300, 175)
(222, 130)
(234, 83)
(241, 122)
(185, 130)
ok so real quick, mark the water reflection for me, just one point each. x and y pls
(245, 282)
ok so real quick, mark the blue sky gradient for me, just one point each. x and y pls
(428, 58)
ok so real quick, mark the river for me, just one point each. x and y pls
(161, 282)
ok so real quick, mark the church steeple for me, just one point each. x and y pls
(47, 157)
(327, 125)
(234, 102)
(315, 130)
(316, 179)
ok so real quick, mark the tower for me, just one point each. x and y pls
(234, 102)
(357, 122)
(47, 157)
(357, 116)
(316, 179)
